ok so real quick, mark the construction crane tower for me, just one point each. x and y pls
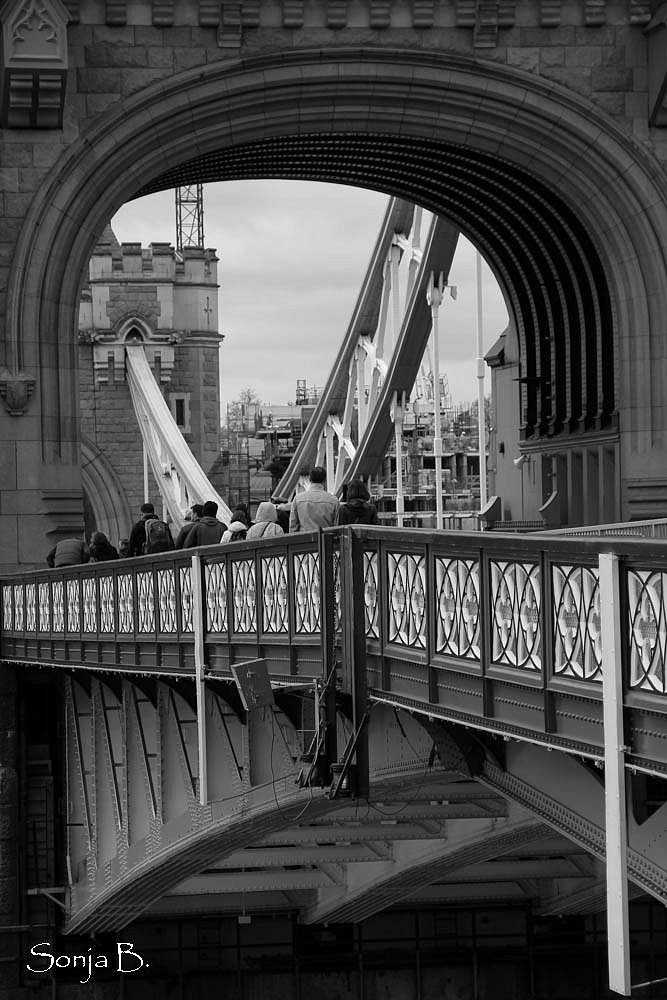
(189, 217)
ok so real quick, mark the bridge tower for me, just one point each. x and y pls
(166, 299)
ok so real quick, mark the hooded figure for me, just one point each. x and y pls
(265, 525)
(236, 532)
(357, 509)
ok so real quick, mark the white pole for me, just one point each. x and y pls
(616, 821)
(434, 296)
(145, 474)
(397, 413)
(198, 635)
(481, 372)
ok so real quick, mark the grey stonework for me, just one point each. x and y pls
(145, 291)
(567, 93)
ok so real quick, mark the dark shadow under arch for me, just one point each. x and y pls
(540, 250)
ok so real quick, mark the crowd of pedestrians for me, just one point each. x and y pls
(310, 510)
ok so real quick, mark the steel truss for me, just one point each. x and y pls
(375, 371)
(179, 476)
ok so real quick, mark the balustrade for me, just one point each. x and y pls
(138, 613)
(502, 632)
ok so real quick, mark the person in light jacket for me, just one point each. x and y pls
(236, 532)
(68, 552)
(265, 525)
(314, 508)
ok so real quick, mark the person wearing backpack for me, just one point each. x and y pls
(138, 534)
(158, 537)
(207, 530)
(236, 532)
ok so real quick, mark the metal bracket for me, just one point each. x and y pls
(344, 768)
(49, 893)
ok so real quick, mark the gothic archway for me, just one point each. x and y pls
(568, 212)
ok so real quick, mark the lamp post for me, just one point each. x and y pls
(481, 371)
(434, 294)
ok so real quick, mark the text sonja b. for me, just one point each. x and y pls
(123, 959)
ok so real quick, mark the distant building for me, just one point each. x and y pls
(168, 302)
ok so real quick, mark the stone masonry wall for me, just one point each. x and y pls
(598, 51)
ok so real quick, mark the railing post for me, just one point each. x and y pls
(616, 834)
(354, 651)
(328, 623)
(198, 638)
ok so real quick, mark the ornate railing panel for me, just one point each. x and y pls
(166, 589)
(18, 607)
(407, 599)
(244, 590)
(73, 605)
(7, 609)
(306, 568)
(515, 614)
(577, 635)
(185, 591)
(371, 594)
(457, 603)
(275, 594)
(58, 606)
(647, 625)
(126, 618)
(44, 607)
(30, 605)
(215, 577)
(90, 604)
(145, 602)
(107, 605)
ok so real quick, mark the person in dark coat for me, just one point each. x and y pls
(138, 533)
(68, 552)
(282, 513)
(208, 530)
(192, 515)
(101, 549)
(357, 509)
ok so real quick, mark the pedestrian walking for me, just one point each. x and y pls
(207, 530)
(265, 525)
(314, 508)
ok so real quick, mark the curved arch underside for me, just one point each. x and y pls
(570, 214)
(539, 249)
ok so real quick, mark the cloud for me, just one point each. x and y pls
(292, 259)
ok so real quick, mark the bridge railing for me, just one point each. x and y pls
(138, 614)
(502, 632)
(507, 631)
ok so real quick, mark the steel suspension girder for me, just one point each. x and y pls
(381, 353)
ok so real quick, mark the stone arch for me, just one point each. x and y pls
(105, 493)
(567, 210)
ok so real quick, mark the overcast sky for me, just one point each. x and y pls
(292, 259)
